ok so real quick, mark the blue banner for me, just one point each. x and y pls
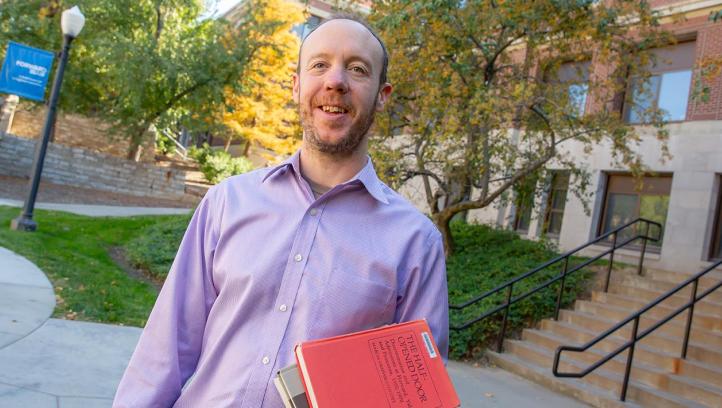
(25, 71)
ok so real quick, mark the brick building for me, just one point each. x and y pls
(684, 193)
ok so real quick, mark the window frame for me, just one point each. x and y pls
(604, 210)
(550, 202)
(715, 251)
(629, 107)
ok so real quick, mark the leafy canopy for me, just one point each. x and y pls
(261, 111)
(481, 102)
(139, 63)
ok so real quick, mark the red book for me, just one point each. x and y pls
(396, 366)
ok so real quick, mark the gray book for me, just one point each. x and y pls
(289, 386)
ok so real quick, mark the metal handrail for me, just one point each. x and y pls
(183, 150)
(635, 337)
(509, 286)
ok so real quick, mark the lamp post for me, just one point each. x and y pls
(71, 22)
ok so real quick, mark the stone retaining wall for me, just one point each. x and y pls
(82, 168)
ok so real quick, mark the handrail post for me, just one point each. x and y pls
(644, 249)
(561, 289)
(611, 262)
(690, 315)
(502, 332)
(630, 356)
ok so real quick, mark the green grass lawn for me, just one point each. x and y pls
(72, 250)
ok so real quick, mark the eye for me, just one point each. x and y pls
(359, 69)
(318, 65)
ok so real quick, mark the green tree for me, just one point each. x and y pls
(139, 63)
(480, 102)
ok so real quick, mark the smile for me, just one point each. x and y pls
(333, 109)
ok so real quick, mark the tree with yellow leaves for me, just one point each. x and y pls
(262, 113)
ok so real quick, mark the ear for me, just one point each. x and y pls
(296, 87)
(383, 96)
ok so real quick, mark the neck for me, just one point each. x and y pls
(326, 171)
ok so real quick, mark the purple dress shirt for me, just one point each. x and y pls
(263, 266)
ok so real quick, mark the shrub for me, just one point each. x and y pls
(154, 247)
(217, 165)
(486, 258)
(164, 146)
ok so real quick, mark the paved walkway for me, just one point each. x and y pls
(99, 210)
(56, 363)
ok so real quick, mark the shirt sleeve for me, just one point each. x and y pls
(425, 294)
(168, 350)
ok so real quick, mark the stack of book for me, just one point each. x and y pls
(289, 385)
(396, 366)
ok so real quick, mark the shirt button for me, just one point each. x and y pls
(298, 258)
(283, 308)
(313, 212)
(266, 360)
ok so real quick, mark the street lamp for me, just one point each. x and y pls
(71, 22)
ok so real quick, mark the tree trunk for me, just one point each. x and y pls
(442, 223)
(246, 148)
(135, 149)
(227, 145)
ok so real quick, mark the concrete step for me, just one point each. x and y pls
(649, 295)
(659, 359)
(657, 349)
(576, 388)
(670, 304)
(642, 372)
(618, 312)
(692, 389)
(675, 326)
(710, 278)
(598, 324)
(647, 396)
(704, 372)
(662, 286)
(529, 354)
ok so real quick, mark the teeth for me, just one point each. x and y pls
(333, 109)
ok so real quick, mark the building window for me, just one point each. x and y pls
(716, 252)
(573, 80)
(667, 88)
(556, 201)
(302, 30)
(576, 76)
(626, 201)
(524, 204)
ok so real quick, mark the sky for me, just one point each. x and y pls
(225, 5)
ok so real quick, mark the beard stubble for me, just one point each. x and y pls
(349, 143)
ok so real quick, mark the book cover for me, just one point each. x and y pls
(291, 380)
(282, 392)
(395, 366)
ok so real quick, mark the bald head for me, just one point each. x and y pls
(360, 30)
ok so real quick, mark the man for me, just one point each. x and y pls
(312, 248)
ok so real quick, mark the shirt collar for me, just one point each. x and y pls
(367, 176)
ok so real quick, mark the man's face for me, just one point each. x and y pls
(338, 88)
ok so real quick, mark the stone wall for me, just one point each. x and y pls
(73, 130)
(82, 168)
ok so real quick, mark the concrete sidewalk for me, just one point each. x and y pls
(99, 210)
(67, 364)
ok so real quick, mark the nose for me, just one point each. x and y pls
(337, 80)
